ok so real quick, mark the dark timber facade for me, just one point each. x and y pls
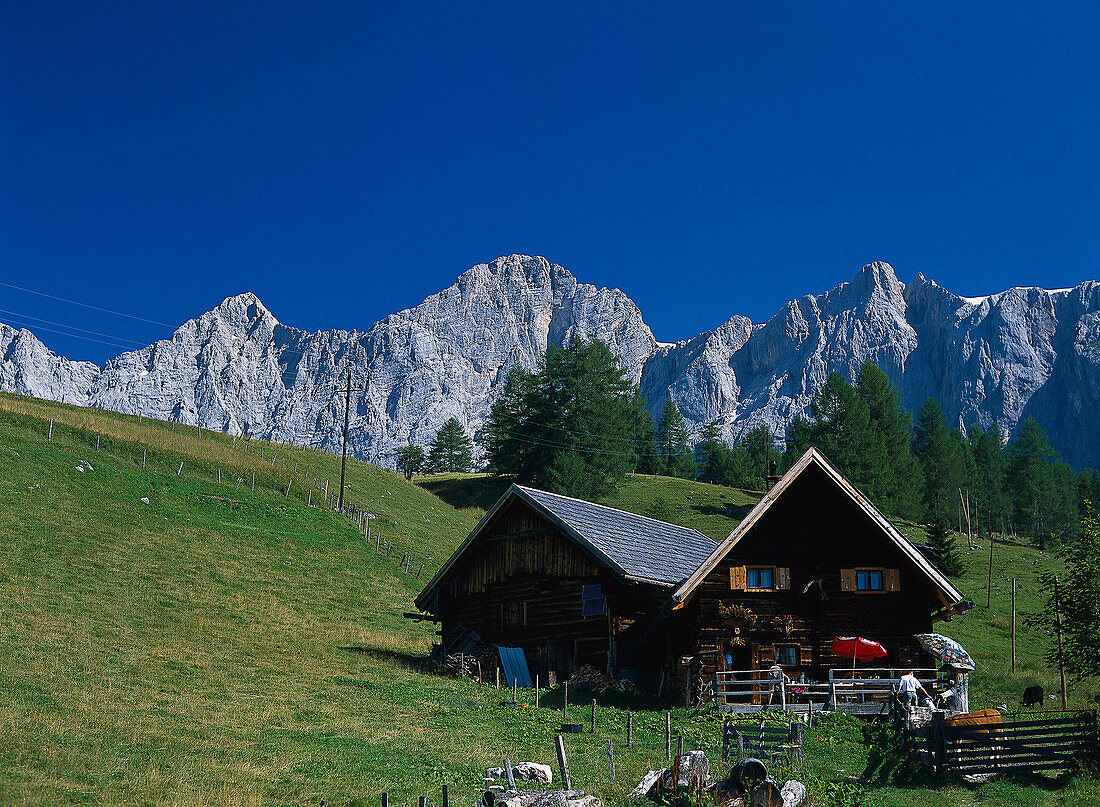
(812, 561)
(570, 582)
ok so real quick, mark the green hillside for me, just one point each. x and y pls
(219, 645)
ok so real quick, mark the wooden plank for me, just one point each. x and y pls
(1036, 724)
(1057, 731)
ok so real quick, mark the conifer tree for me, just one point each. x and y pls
(1030, 480)
(574, 426)
(1078, 601)
(941, 546)
(451, 449)
(676, 456)
(714, 456)
(901, 479)
(987, 449)
(410, 460)
(936, 451)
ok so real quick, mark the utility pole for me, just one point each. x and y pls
(344, 458)
(347, 410)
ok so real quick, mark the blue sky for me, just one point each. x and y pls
(345, 160)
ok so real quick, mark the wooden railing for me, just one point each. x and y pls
(844, 685)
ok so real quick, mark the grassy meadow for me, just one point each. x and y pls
(221, 645)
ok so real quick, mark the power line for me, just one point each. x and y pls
(69, 327)
(84, 305)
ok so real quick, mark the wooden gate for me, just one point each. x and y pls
(1023, 743)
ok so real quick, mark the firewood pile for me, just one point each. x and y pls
(589, 678)
(464, 664)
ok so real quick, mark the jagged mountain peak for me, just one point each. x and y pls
(987, 359)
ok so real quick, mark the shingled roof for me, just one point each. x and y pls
(634, 547)
(637, 547)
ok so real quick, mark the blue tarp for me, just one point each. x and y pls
(515, 667)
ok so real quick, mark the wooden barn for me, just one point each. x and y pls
(569, 582)
(812, 561)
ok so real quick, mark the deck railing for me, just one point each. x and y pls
(844, 686)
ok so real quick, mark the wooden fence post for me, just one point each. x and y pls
(511, 776)
(385, 800)
(1013, 625)
(593, 722)
(446, 801)
(1061, 656)
(144, 453)
(49, 436)
(668, 736)
(309, 498)
(565, 702)
(253, 480)
(937, 738)
(564, 764)
(498, 677)
(629, 729)
(515, 689)
(97, 442)
(989, 579)
(288, 484)
(611, 760)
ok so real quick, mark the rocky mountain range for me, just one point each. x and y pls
(237, 369)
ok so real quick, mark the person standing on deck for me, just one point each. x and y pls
(908, 687)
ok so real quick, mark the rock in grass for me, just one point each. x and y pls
(792, 793)
(530, 771)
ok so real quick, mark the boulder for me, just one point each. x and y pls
(529, 771)
(792, 793)
(649, 781)
(694, 771)
(533, 772)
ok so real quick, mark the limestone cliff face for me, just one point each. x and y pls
(237, 369)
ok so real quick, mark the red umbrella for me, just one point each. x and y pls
(858, 648)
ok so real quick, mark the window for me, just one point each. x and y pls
(787, 655)
(760, 577)
(869, 580)
(593, 602)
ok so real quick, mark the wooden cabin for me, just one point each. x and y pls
(813, 560)
(570, 582)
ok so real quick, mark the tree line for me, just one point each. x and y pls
(576, 425)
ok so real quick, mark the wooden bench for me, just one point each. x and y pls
(765, 741)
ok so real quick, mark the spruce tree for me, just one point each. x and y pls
(410, 460)
(451, 449)
(1030, 480)
(1078, 590)
(941, 546)
(676, 455)
(714, 457)
(574, 426)
(900, 480)
(987, 449)
(940, 463)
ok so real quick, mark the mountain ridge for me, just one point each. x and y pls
(997, 358)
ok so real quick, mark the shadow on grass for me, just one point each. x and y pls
(462, 492)
(424, 665)
(736, 512)
(890, 763)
